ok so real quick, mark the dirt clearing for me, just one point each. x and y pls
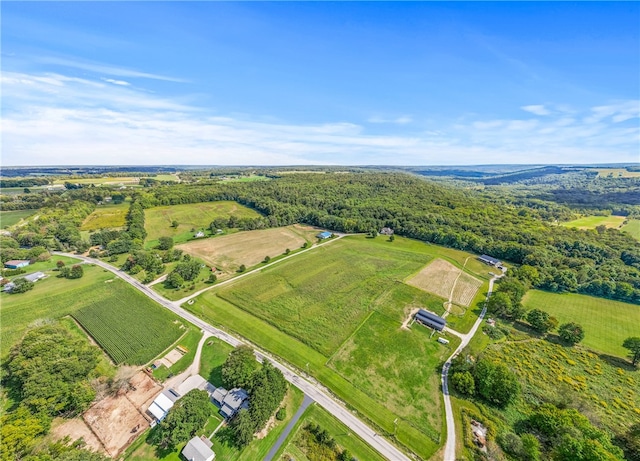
(228, 252)
(76, 429)
(440, 277)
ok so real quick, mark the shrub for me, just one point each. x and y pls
(571, 333)
(281, 414)
(463, 382)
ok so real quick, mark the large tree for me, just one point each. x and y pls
(541, 321)
(186, 417)
(495, 383)
(238, 369)
(571, 333)
(633, 344)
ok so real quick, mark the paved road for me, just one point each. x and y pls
(274, 449)
(450, 446)
(332, 405)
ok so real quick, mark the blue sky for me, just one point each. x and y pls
(355, 83)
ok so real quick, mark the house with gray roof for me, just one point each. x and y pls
(198, 449)
(230, 402)
(35, 276)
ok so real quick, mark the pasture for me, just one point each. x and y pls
(106, 217)
(129, 326)
(196, 216)
(606, 323)
(123, 180)
(403, 376)
(340, 433)
(633, 228)
(444, 279)
(591, 222)
(11, 218)
(228, 252)
(600, 388)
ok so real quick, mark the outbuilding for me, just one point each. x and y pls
(324, 235)
(17, 263)
(34, 277)
(198, 449)
(430, 320)
(490, 260)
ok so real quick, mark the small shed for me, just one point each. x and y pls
(324, 235)
(35, 276)
(17, 263)
(199, 234)
(198, 449)
(386, 231)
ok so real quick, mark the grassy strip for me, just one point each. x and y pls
(190, 343)
(10, 218)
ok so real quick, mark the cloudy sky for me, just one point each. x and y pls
(207, 83)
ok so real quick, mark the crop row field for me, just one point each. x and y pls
(441, 278)
(129, 326)
(189, 218)
(606, 323)
(106, 217)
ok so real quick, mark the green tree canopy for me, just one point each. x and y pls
(633, 344)
(495, 383)
(186, 417)
(238, 369)
(571, 333)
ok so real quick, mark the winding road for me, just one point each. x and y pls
(450, 446)
(315, 392)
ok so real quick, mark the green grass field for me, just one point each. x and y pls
(51, 298)
(348, 300)
(396, 367)
(192, 216)
(128, 325)
(633, 228)
(106, 217)
(10, 218)
(591, 222)
(344, 438)
(125, 180)
(606, 323)
(214, 353)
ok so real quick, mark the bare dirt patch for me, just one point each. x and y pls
(407, 320)
(441, 277)
(228, 252)
(142, 389)
(76, 429)
(267, 428)
(116, 422)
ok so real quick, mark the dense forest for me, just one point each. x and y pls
(515, 227)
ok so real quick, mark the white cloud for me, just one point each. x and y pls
(536, 109)
(402, 120)
(56, 119)
(117, 82)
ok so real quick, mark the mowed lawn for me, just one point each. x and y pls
(321, 296)
(106, 217)
(10, 218)
(591, 222)
(606, 323)
(191, 216)
(633, 228)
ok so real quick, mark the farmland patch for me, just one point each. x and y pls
(606, 323)
(228, 252)
(10, 218)
(632, 228)
(106, 217)
(128, 329)
(439, 278)
(591, 222)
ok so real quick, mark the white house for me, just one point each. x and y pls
(198, 449)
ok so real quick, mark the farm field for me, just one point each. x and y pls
(607, 389)
(10, 218)
(319, 309)
(228, 252)
(52, 298)
(633, 228)
(617, 173)
(106, 217)
(129, 326)
(191, 216)
(591, 222)
(606, 323)
(440, 277)
(403, 375)
(320, 297)
(340, 433)
(125, 180)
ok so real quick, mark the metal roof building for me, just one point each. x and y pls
(198, 449)
(490, 260)
(430, 320)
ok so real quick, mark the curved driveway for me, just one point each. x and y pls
(332, 405)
